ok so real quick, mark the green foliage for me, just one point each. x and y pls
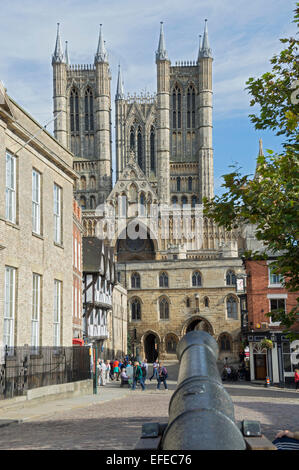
(269, 199)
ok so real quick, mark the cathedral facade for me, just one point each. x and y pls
(179, 268)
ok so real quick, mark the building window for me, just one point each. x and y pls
(232, 308)
(10, 188)
(206, 302)
(188, 302)
(176, 107)
(174, 201)
(132, 138)
(275, 279)
(74, 111)
(142, 205)
(36, 308)
(276, 305)
(139, 148)
(164, 309)
(57, 214)
(196, 279)
(290, 355)
(178, 183)
(9, 305)
(163, 280)
(194, 201)
(57, 312)
(135, 310)
(184, 200)
(191, 108)
(83, 202)
(36, 212)
(190, 183)
(92, 202)
(225, 343)
(89, 126)
(152, 149)
(135, 281)
(231, 278)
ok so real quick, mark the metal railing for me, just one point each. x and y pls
(25, 367)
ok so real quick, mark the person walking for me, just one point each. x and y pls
(116, 370)
(137, 376)
(111, 371)
(129, 372)
(296, 379)
(162, 376)
(103, 372)
(107, 371)
(155, 370)
(144, 367)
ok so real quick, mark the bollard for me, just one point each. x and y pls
(201, 412)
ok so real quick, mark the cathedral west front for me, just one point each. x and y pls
(179, 268)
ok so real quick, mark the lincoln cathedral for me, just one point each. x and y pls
(164, 168)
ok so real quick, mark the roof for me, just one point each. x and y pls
(98, 258)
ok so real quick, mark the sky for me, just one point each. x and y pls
(243, 35)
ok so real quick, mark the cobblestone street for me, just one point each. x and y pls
(115, 423)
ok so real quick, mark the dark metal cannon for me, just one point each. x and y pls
(201, 412)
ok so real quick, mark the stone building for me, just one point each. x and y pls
(36, 235)
(77, 272)
(153, 216)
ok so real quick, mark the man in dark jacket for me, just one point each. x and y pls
(162, 376)
(137, 376)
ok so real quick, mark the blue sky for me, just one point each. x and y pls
(243, 37)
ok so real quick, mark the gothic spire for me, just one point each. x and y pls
(66, 54)
(58, 56)
(206, 51)
(101, 55)
(120, 86)
(261, 151)
(200, 48)
(161, 53)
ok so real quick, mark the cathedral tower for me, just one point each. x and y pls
(82, 99)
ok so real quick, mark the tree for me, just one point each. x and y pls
(269, 199)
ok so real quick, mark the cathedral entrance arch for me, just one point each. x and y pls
(197, 323)
(151, 346)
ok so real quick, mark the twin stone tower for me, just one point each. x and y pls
(168, 134)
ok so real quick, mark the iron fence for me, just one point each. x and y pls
(23, 368)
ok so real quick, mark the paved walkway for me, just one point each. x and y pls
(113, 418)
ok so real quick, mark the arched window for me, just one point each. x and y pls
(184, 200)
(178, 183)
(174, 201)
(231, 278)
(232, 307)
(152, 149)
(176, 107)
(92, 182)
(164, 309)
(132, 138)
(83, 202)
(83, 183)
(190, 183)
(163, 280)
(88, 108)
(135, 310)
(139, 148)
(224, 343)
(194, 201)
(74, 111)
(196, 279)
(191, 108)
(92, 202)
(135, 281)
(206, 302)
(142, 204)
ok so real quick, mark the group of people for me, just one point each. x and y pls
(131, 372)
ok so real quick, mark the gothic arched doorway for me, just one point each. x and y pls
(151, 347)
(198, 324)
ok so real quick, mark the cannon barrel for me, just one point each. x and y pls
(201, 412)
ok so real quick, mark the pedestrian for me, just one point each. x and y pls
(155, 370)
(111, 371)
(137, 376)
(116, 370)
(107, 371)
(101, 366)
(129, 372)
(162, 376)
(99, 370)
(296, 379)
(286, 440)
(103, 373)
(144, 367)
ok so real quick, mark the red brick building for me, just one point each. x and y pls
(77, 271)
(265, 293)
